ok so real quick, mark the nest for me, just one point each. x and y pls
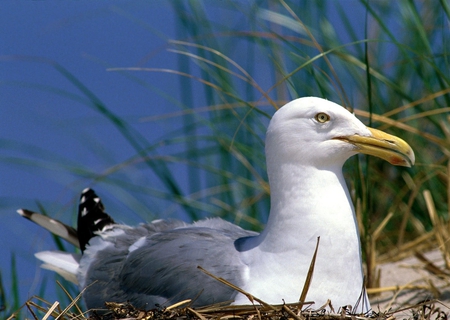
(429, 310)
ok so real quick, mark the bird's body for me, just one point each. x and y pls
(307, 142)
(157, 264)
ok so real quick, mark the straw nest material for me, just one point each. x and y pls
(430, 310)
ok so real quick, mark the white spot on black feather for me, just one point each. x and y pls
(108, 227)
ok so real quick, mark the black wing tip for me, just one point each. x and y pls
(87, 192)
(91, 217)
(25, 213)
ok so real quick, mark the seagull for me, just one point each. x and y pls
(156, 264)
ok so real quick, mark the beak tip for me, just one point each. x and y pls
(403, 160)
(400, 154)
(412, 156)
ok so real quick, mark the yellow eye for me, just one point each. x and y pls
(322, 117)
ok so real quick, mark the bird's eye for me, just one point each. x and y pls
(322, 117)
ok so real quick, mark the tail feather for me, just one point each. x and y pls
(64, 263)
(91, 217)
(54, 226)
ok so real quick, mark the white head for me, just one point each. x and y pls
(316, 132)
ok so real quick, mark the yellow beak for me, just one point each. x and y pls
(385, 146)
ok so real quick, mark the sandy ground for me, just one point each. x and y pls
(412, 272)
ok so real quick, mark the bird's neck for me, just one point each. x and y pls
(307, 203)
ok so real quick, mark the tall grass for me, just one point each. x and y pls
(231, 75)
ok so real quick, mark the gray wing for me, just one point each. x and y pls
(162, 269)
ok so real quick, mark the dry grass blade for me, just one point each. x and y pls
(441, 232)
(50, 310)
(244, 161)
(248, 295)
(431, 267)
(391, 122)
(195, 313)
(178, 304)
(423, 242)
(70, 297)
(396, 288)
(309, 275)
(421, 311)
(71, 304)
(448, 195)
(13, 316)
(292, 314)
(407, 106)
(373, 277)
(30, 304)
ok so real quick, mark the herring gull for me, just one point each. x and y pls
(307, 142)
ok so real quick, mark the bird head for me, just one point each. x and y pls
(317, 132)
